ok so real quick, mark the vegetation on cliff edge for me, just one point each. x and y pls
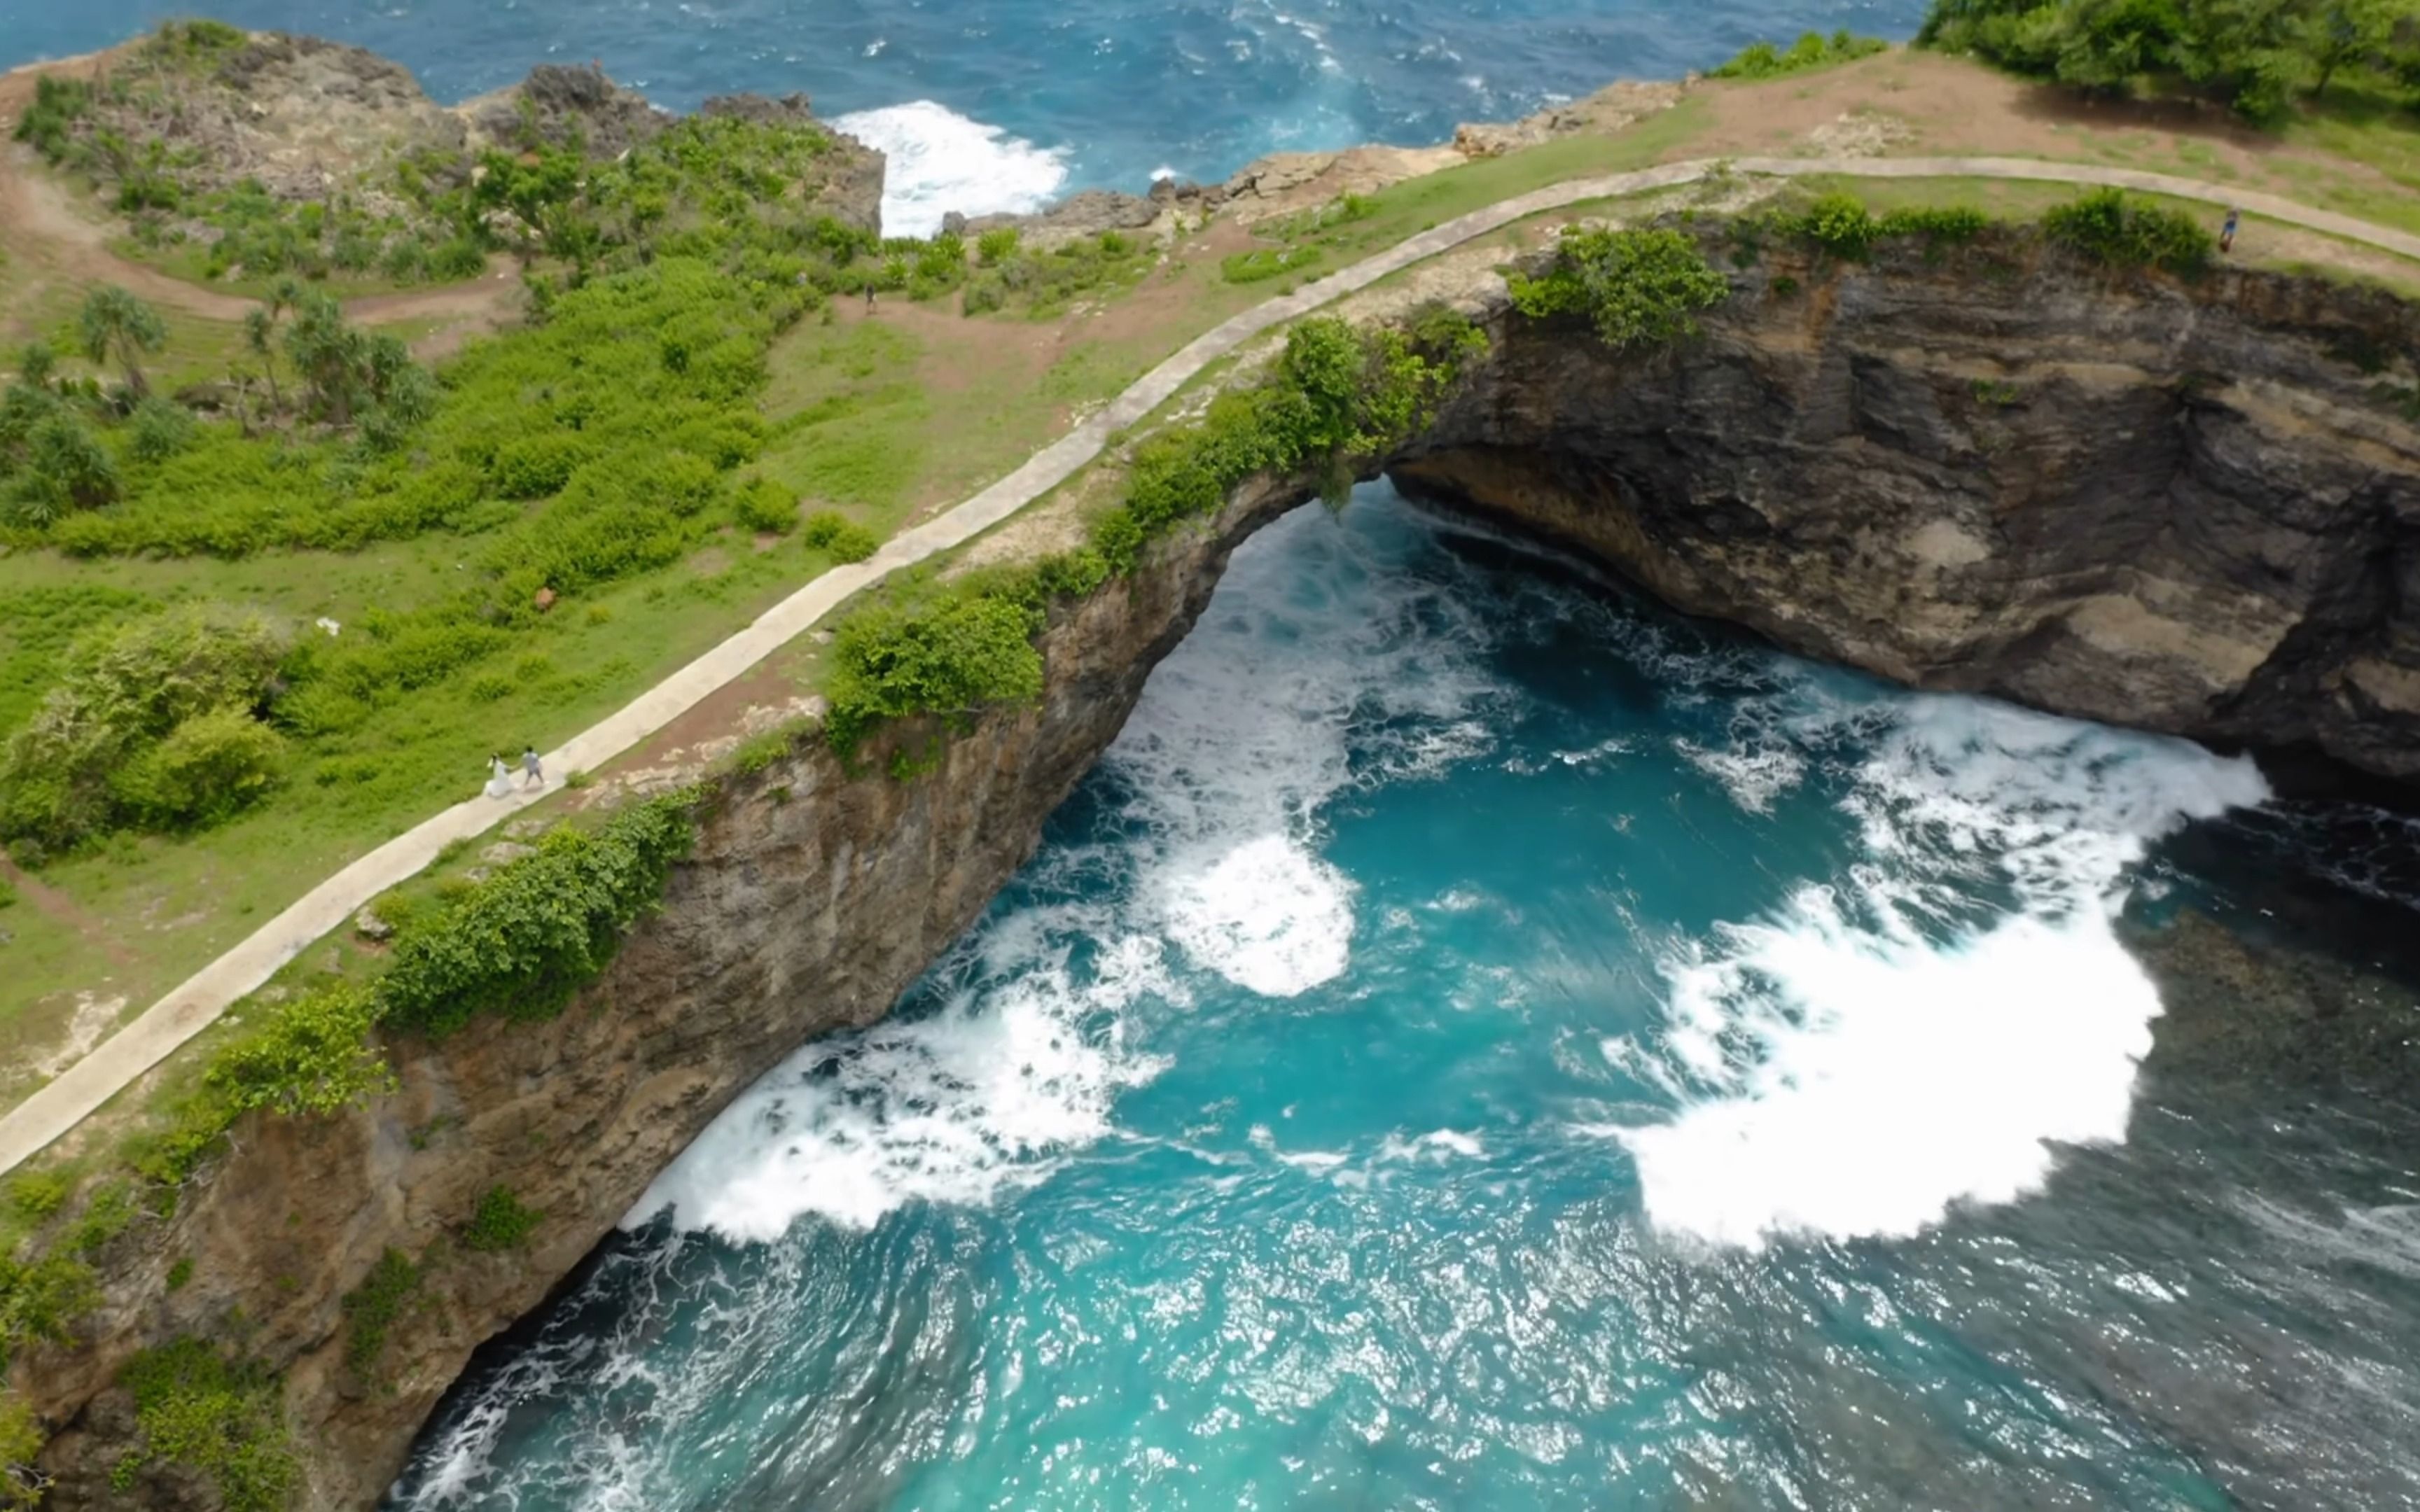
(2256, 56)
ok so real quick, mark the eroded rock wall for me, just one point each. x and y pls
(2187, 507)
(814, 899)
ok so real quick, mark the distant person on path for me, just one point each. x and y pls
(500, 780)
(869, 299)
(529, 764)
(2226, 233)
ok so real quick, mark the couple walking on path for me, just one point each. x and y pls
(500, 776)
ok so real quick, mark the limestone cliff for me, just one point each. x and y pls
(812, 900)
(2182, 506)
(2192, 507)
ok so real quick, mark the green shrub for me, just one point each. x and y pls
(219, 1418)
(500, 1223)
(36, 1195)
(208, 769)
(528, 937)
(121, 695)
(307, 1054)
(2107, 227)
(181, 1274)
(372, 1307)
(48, 124)
(2254, 57)
(1763, 60)
(40, 1299)
(66, 468)
(536, 467)
(1839, 225)
(953, 657)
(159, 430)
(21, 1444)
(1636, 287)
(996, 246)
(766, 505)
(839, 537)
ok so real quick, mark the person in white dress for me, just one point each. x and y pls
(500, 780)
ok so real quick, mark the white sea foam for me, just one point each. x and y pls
(1316, 669)
(1871, 1056)
(939, 161)
(1265, 914)
(952, 1107)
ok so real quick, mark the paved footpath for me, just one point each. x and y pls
(197, 1003)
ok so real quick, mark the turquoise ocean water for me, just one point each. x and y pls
(1479, 1042)
(998, 104)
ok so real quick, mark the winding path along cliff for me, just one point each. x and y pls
(2188, 507)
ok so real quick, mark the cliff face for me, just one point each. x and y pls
(811, 902)
(2188, 508)
(2183, 508)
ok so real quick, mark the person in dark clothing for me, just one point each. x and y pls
(2226, 233)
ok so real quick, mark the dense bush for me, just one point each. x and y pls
(950, 657)
(307, 1054)
(839, 537)
(1813, 50)
(765, 506)
(1042, 280)
(1636, 287)
(372, 1307)
(1841, 225)
(48, 124)
(996, 246)
(122, 697)
(21, 1441)
(502, 1221)
(222, 1418)
(524, 941)
(206, 770)
(2109, 228)
(2253, 55)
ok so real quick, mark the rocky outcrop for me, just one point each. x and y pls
(566, 107)
(299, 115)
(2185, 507)
(306, 117)
(1609, 110)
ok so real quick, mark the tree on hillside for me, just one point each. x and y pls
(2347, 31)
(2255, 55)
(261, 329)
(349, 375)
(116, 324)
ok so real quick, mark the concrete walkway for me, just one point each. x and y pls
(197, 1003)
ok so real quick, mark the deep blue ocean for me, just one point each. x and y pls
(1479, 1041)
(998, 104)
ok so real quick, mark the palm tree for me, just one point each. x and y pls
(260, 326)
(116, 323)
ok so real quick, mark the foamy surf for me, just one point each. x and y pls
(1874, 1056)
(939, 161)
(1241, 736)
